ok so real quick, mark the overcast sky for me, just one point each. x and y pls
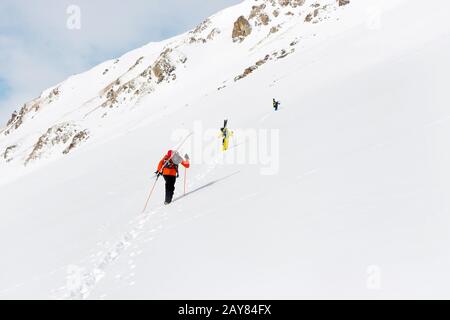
(38, 50)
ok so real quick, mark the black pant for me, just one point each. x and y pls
(170, 187)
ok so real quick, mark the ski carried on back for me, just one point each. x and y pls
(181, 144)
(225, 134)
(175, 151)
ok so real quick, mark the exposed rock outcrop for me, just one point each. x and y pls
(58, 135)
(7, 155)
(12, 119)
(318, 14)
(76, 140)
(259, 15)
(162, 70)
(343, 2)
(138, 62)
(203, 33)
(275, 55)
(196, 40)
(214, 32)
(165, 65)
(274, 29)
(201, 27)
(242, 29)
(292, 3)
(249, 70)
(17, 118)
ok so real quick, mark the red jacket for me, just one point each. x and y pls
(170, 168)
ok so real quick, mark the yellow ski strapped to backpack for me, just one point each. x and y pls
(225, 134)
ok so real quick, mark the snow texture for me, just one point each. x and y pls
(352, 203)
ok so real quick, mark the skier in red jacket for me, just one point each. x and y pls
(168, 168)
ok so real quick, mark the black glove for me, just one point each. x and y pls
(157, 173)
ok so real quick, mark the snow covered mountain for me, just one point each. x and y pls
(67, 115)
(342, 193)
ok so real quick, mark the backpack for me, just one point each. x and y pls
(176, 158)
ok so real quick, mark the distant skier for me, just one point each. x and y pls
(225, 134)
(276, 104)
(168, 168)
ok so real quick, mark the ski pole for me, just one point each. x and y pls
(151, 192)
(185, 175)
(178, 148)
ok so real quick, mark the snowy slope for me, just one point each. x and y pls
(347, 182)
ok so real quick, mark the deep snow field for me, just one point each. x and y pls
(342, 193)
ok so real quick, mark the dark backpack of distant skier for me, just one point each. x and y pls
(276, 104)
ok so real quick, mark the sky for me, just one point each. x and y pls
(43, 42)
